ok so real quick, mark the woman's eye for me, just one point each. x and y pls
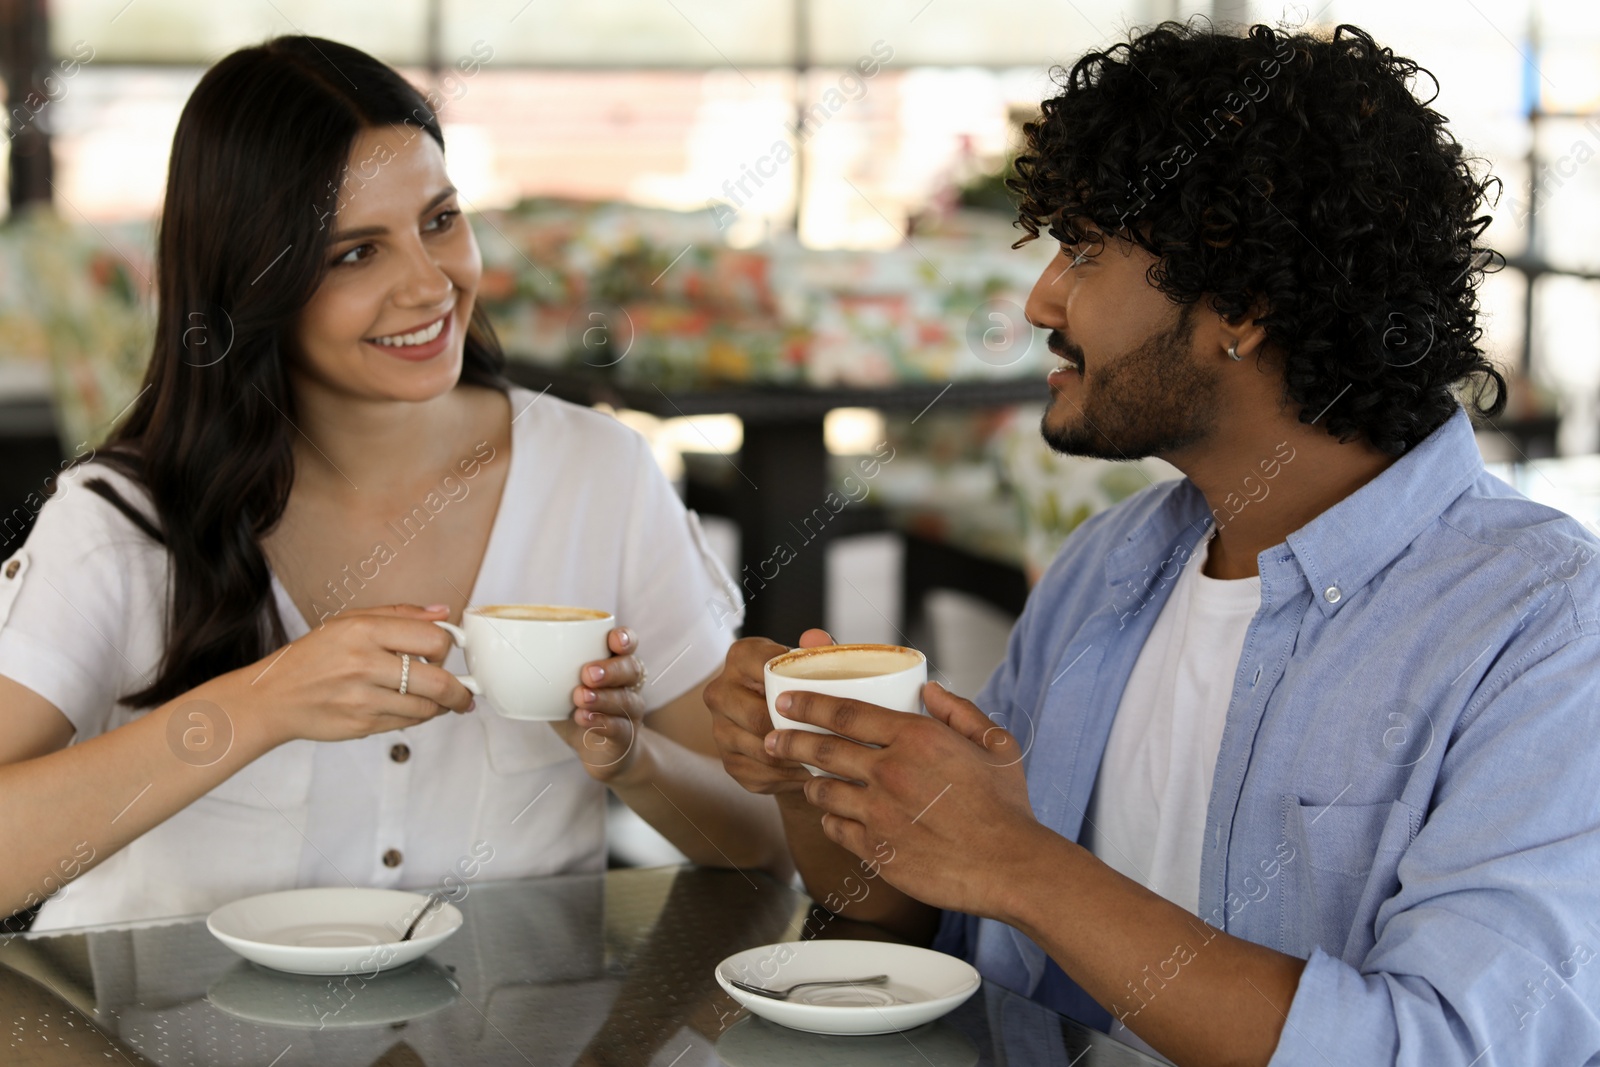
(443, 220)
(355, 255)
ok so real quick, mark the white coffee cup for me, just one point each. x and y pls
(526, 659)
(890, 676)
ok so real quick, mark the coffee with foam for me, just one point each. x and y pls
(887, 676)
(855, 661)
(539, 613)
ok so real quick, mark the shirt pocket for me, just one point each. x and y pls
(540, 809)
(1350, 854)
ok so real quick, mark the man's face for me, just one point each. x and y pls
(1130, 384)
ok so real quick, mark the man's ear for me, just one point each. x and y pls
(1245, 332)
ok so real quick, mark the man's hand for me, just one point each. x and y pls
(740, 726)
(738, 703)
(946, 791)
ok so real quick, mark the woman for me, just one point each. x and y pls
(325, 440)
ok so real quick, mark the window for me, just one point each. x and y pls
(690, 104)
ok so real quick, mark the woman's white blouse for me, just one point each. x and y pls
(587, 518)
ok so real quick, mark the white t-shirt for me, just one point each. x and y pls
(587, 518)
(1147, 816)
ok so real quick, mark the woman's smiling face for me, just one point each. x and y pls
(389, 320)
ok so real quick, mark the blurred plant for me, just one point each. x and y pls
(988, 191)
(1053, 493)
(90, 306)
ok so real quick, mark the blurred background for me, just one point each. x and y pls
(772, 236)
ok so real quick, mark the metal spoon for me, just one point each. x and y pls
(784, 994)
(434, 900)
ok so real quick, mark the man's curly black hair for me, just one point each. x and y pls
(1292, 173)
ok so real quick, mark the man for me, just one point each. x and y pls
(1290, 761)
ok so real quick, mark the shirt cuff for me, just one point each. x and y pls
(951, 938)
(1319, 1018)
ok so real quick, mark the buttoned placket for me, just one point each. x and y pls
(1285, 598)
(1083, 667)
(1096, 659)
(394, 782)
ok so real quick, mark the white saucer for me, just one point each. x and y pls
(922, 986)
(331, 931)
(316, 1002)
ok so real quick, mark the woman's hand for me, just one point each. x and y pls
(607, 720)
(740, 722)
(342, 680)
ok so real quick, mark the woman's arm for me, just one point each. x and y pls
(68, 807)
(664, 765)
(677, 785)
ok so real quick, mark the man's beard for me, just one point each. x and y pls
(1153, 401)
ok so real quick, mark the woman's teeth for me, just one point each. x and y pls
(418, 337)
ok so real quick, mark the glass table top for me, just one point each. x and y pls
(599, 969)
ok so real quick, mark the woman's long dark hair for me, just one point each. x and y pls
(257, 164)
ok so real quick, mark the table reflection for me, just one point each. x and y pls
(612, 969)
(255, 994)
(753, 1042)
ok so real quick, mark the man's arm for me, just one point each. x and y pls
(834, 878)
(832, 875)
(949, 796)
(1485, 956)
(1216, 998)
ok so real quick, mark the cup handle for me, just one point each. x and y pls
(459, 637)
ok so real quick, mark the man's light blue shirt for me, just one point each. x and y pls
(1407, 793)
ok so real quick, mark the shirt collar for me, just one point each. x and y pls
(1343, 548)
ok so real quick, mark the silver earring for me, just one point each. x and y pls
(1233, 352)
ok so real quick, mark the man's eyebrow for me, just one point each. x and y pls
(1067, 233)
(378, 231)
